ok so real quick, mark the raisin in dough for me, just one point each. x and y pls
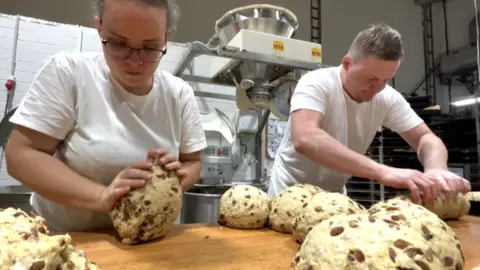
(244, 207)
(321, 207)
(449, 208)
(25, 244)
(360, 241)
(440, 237)
(149, 212)
(286, 204)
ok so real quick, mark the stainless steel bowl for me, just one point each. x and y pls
(262, 18)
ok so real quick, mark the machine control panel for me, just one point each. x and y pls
(217, 151)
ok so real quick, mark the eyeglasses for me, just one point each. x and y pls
(123, 51)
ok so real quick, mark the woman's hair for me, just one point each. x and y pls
(173, 11)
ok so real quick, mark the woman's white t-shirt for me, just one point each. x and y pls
(103, 127)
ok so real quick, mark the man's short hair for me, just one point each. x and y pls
(378, 40)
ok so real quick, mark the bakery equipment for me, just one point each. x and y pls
(254, 52)
(217, 159)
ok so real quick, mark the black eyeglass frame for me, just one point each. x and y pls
(163, 52)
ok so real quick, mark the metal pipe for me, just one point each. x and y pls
(262, 121)
(10, 94)
(447, 46)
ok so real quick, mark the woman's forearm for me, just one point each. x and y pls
(52, 179)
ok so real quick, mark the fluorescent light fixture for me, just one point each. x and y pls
(465, 102)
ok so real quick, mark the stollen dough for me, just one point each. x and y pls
(449, 208)
(286, 205)
(439, 236)
(148, 213)
(473, 196)
(360, 241)
(25, 244)
(244, 207)
(321, 207)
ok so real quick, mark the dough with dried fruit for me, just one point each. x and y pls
(439, 236)
(244, 207)
(360, 241)
(287, 204)
(321, 207)
(473, 196)
(25, 244)
(148, 213)
(449, 208)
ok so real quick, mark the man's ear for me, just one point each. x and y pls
(347, 62)
(98, 24)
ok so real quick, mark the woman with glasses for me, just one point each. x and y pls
(91, 121)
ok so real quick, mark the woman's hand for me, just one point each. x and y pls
(187, 167)
(131, 178)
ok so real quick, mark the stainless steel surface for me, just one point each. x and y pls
(200, 204)
(198, 48)
(16, 200)
(261, 18)
(257, 18)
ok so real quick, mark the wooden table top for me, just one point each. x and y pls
(210, 246)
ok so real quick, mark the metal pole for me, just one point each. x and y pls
(476, 112)
(381, 161)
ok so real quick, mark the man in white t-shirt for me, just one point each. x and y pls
(100, 115)
(335, 114)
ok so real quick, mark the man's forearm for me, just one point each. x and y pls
(52, 179)
(432, 153)
(325, 150)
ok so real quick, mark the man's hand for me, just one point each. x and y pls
(414, 180)
(131, 178)
(451, 183)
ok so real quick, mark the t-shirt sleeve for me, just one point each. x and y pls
(309, 94)
(193, 135)
(400, 115)
(49, 105)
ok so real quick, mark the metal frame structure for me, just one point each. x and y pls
(286, 65)
(316, 21)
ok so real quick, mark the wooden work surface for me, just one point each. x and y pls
(210, 246)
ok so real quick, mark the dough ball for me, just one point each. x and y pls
(148, 213)
(439, 236)
(313, 189)
(25, 244)
(321, 207)
(449, 208)
(244, 207)
(473, 196)
(287, 204)
(360, 241)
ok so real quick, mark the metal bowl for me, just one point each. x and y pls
(261, 17)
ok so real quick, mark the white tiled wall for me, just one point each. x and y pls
(39, 39)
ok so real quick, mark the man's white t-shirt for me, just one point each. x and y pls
(314, 92)
(103, 127)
